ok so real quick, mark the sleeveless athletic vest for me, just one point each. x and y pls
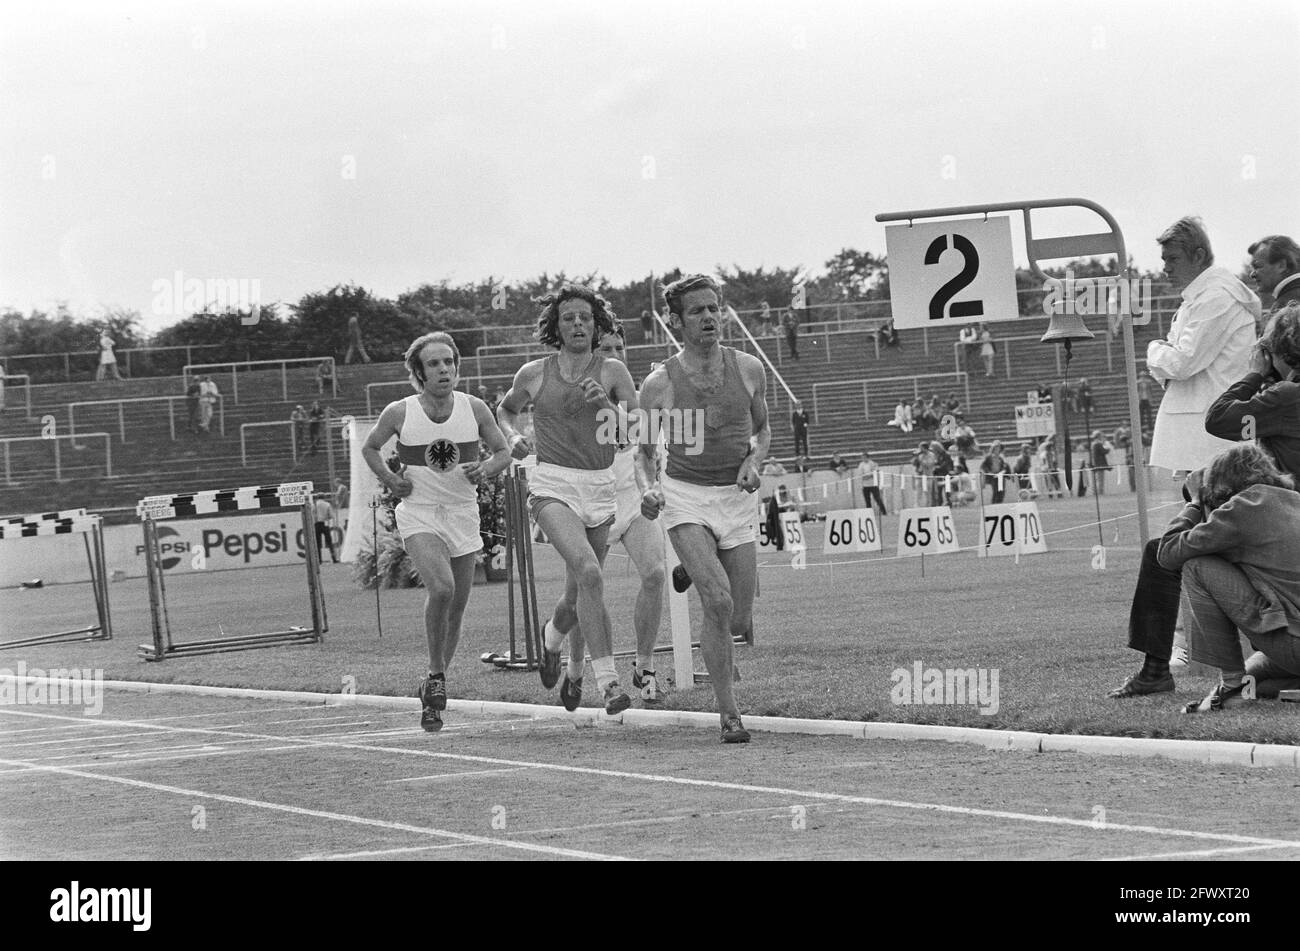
(724, 439)
(565, 424)
(434, 452)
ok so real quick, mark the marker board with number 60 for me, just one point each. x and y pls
(927, 531)
(951, 272)
(1013, 528)
(851, 531)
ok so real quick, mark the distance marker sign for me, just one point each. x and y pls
(951, 272)
(926, 531)
(1012, 528)
(851, 531)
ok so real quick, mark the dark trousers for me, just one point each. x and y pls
(870, 492)
(1154, 614)
(792, 340)
(801, 442)
(323, 532)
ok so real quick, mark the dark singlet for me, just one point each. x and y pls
(565, 424)
(724, 441)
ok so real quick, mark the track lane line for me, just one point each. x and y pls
(940, 808)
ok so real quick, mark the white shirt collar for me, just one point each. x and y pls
(1284, 282)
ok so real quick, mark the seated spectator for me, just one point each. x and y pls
(995, 471)
(952, 405)
(773, 468)
(902, 420)
(838, 465)
(801, 464)
(887, 335)
(1044, 393)
(325, 376)
(1237, 543)
(925, 417)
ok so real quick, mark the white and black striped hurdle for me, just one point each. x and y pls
(67, 522)
(157, 508)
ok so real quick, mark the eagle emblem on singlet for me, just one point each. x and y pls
(441, 454)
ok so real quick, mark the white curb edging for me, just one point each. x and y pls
(1193, 751)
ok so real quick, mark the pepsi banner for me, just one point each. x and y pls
(211, 544)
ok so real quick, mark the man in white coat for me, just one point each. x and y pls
(1206, 351)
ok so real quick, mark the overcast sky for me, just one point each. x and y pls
(391, 144)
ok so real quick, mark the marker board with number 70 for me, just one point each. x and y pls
(1012, 528)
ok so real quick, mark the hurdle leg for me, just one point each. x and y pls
(152, 572)
(533, 634)
(512, 531)
(313, 571)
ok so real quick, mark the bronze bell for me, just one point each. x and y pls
(1064, 328)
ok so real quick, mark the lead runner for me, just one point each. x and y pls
(705, 495)
(438, 432)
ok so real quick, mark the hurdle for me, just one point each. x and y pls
(90, 528)
(158, 508)
(519, 569)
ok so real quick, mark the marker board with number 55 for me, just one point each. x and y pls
(927, 531)
(851, 531)
(951, 272)
(1013, 528)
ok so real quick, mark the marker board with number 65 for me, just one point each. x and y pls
(927, 531)
(851, 531)
(1013, 528)
(951, 272)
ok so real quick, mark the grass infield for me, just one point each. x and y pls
(829, 636)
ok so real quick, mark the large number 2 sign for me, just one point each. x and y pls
(951, 272)
(966, 308)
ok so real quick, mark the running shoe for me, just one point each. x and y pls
(616, 700)
(647, 682)
(570, 692)
(550, 669)
(733, 731)
(432, 692)
(681, 580)
(1178, 658)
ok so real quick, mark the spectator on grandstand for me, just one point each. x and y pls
(325, 377)
(1237, 547)
(772, 468)
(838, 465)
(316, 423)
(791, 324)
(764, 318)
(1208, 346)
(1044, 393)
(647, 327)
(802, 465)
(1047, 462)
(208, 396)
(2, 387)
(944, 469)
(1275, 270)
(964, 437)
(192, 393)
(935, 408)
(887, 336)
(107, 359)
(355, 343)
(1099, 450)
(952, 405)
(868, 473)
(987, 349)
(968, 342)
(922, 416)
(902, 420)
(299, 419)
(799, 425)
(995, 471)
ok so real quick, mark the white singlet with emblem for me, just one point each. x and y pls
(442, 447)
